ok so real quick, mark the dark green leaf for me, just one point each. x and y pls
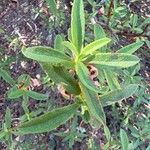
(84, 77)
(118, 95)
(49, 121)
(52, 6)
(94, 105)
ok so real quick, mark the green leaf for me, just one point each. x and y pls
(14, 93)
(99, 33)
(90, 48)
(70, 46)
(84, 77)
(58, 43)
(48, 55)
(4, 74)
(118, 95)
(49, 121)
(37, 96)
(107, 133)
(94, 105)
(8, 118)
(77, 24)
(124, 140)
(61, 75)
(112, 79)
(2, 134)
(130, 49)
(52, 6)
(120, 60)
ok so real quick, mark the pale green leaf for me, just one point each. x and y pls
(15, 93)
(118, 95)
(120, 60)
(130, 49)
(37, 96)
(94, 105)
(84, 77)
(124, 140)
(8, 118)
(2, 134)
(90, 48)
(48, 55)
(58, 43)
(70, 46)
(49, 121)
(77, 24)
(99, 32)
(4, 74)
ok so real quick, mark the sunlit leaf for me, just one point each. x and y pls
(47, 54)
(77, 24)
(70, 46)
(119, 60)
(90, 48)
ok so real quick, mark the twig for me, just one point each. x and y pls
(110, 11)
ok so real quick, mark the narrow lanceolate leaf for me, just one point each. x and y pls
(4, 74)
(47, 54)
(84, 77)
(58, 43)
(37, 96)
(112, 79)
(118, 95)
(98, 34)
(94, 105)
(52, 6)
(70, 46)
(90, 48)
(77, 24)
(119, 60)
(49, 121)
(124, 140)
(8, 118)
(2, 134)
(130, 49)
(61, 75)
(14, 93)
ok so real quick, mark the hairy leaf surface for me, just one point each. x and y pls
(118, 95)
(47, 54)
(77, 24)
(49, 121)
(120, 60)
